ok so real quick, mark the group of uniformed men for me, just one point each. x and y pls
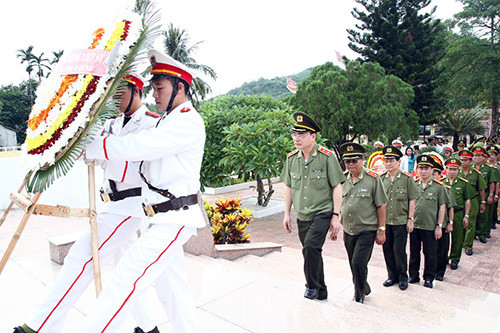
(384, 209)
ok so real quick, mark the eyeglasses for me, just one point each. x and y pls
(298, 135)
(351, 160)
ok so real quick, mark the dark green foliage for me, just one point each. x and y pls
(405, 43)
(271, 87)
(246, 136)
(15, 107)
(359, 100)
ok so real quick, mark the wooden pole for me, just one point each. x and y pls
(18, 233)
(4, 216)
(93, 230)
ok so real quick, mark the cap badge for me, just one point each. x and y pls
(350, 148)
(300, 119)
(389, 150)
(153, 60)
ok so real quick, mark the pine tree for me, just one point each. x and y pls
(406, 43)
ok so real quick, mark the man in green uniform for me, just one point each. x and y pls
(443, 245)
(477, 202)
(463, 194)
(363, 215)
(493, 151)
(313, 183)
(429, 214)
(401, 192)
(490, 177)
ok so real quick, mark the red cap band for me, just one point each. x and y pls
(134, 80)
(166, 69)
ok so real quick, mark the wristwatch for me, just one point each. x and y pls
(335, 213)
(466, 215)
(483, 202)
(411, 218)
(440, 225)
(450, 222)
(381, 228)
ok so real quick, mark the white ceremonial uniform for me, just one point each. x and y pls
(173, 152)
(117, 225)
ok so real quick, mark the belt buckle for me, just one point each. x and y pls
(105, 197)
(150, 212)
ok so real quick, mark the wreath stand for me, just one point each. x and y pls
(29, 205)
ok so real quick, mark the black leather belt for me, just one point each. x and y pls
(173, 204)
(120, 195)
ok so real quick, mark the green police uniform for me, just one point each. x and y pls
(484, 219)
(400, 192)
(443, 245)
(427, 205)
(360, 199)
(312, 184)
(477, 184)
(462, 191)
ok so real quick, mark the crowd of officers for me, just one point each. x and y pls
(443, 209)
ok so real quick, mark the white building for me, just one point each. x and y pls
(7, 136)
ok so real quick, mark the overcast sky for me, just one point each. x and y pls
(243, 40)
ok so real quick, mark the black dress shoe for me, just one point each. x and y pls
(403, 285)
(139, 330)
(468, 252)
(389, 282)
(414, 279)
(322, 294)
(483, 240)
(453, 265)
(311, 293)
(439, 278)
(488, 236)
(494, 226)
(428, 284)
(359, 300)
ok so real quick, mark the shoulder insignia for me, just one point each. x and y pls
(447, 186)
(438, 181)
(491, 166)
(479, 172)
(465, 180)
(346, 172)
(416, 179)
(371, 173)
(292, 153)
(185, 109)
(325, 151)
(153, 114)
(116, 116)
(407, 174)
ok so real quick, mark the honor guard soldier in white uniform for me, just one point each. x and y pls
(117, 223)
(171, 155)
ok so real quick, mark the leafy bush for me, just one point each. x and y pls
(228, 221)
(247, 137)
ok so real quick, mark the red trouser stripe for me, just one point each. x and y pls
(79, 275)
(104, 147)
(144, 272)
(125, 171)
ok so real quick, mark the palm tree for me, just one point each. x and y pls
(27, 56)
(177, 46)
(42, 64)
(462, 123)
(57, 56)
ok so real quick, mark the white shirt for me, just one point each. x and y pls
(172, 153)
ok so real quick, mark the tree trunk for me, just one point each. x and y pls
(264, 197)
(494, 118)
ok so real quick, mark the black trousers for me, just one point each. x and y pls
(423, 238)
(359, 251)
(395, 255)
(312, 235)
(443, 247)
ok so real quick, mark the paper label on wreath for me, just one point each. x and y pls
(84, 61)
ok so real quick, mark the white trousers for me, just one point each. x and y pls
(156, 257)
(115, 232)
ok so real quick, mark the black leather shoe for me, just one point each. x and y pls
(488, 236)
(139, 330)
(389, 282)
(439, 278)
(483, 240)
(403, 285)
(414, 280)
(453, 265)
(428, 284)
(311, 293)
(494, 226)
(359, 300)
(468, 252)
(322, 294)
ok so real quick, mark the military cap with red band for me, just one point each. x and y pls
(465, 153)
(162, 63)
(480, 150)
(453, 162)
(135, 79)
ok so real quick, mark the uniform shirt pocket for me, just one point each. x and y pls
(318, 180)
(295, 180)
(401, 193)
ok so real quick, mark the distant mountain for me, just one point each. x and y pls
(273, 87)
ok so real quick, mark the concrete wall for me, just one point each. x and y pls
(70, 190)
(7, 137)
